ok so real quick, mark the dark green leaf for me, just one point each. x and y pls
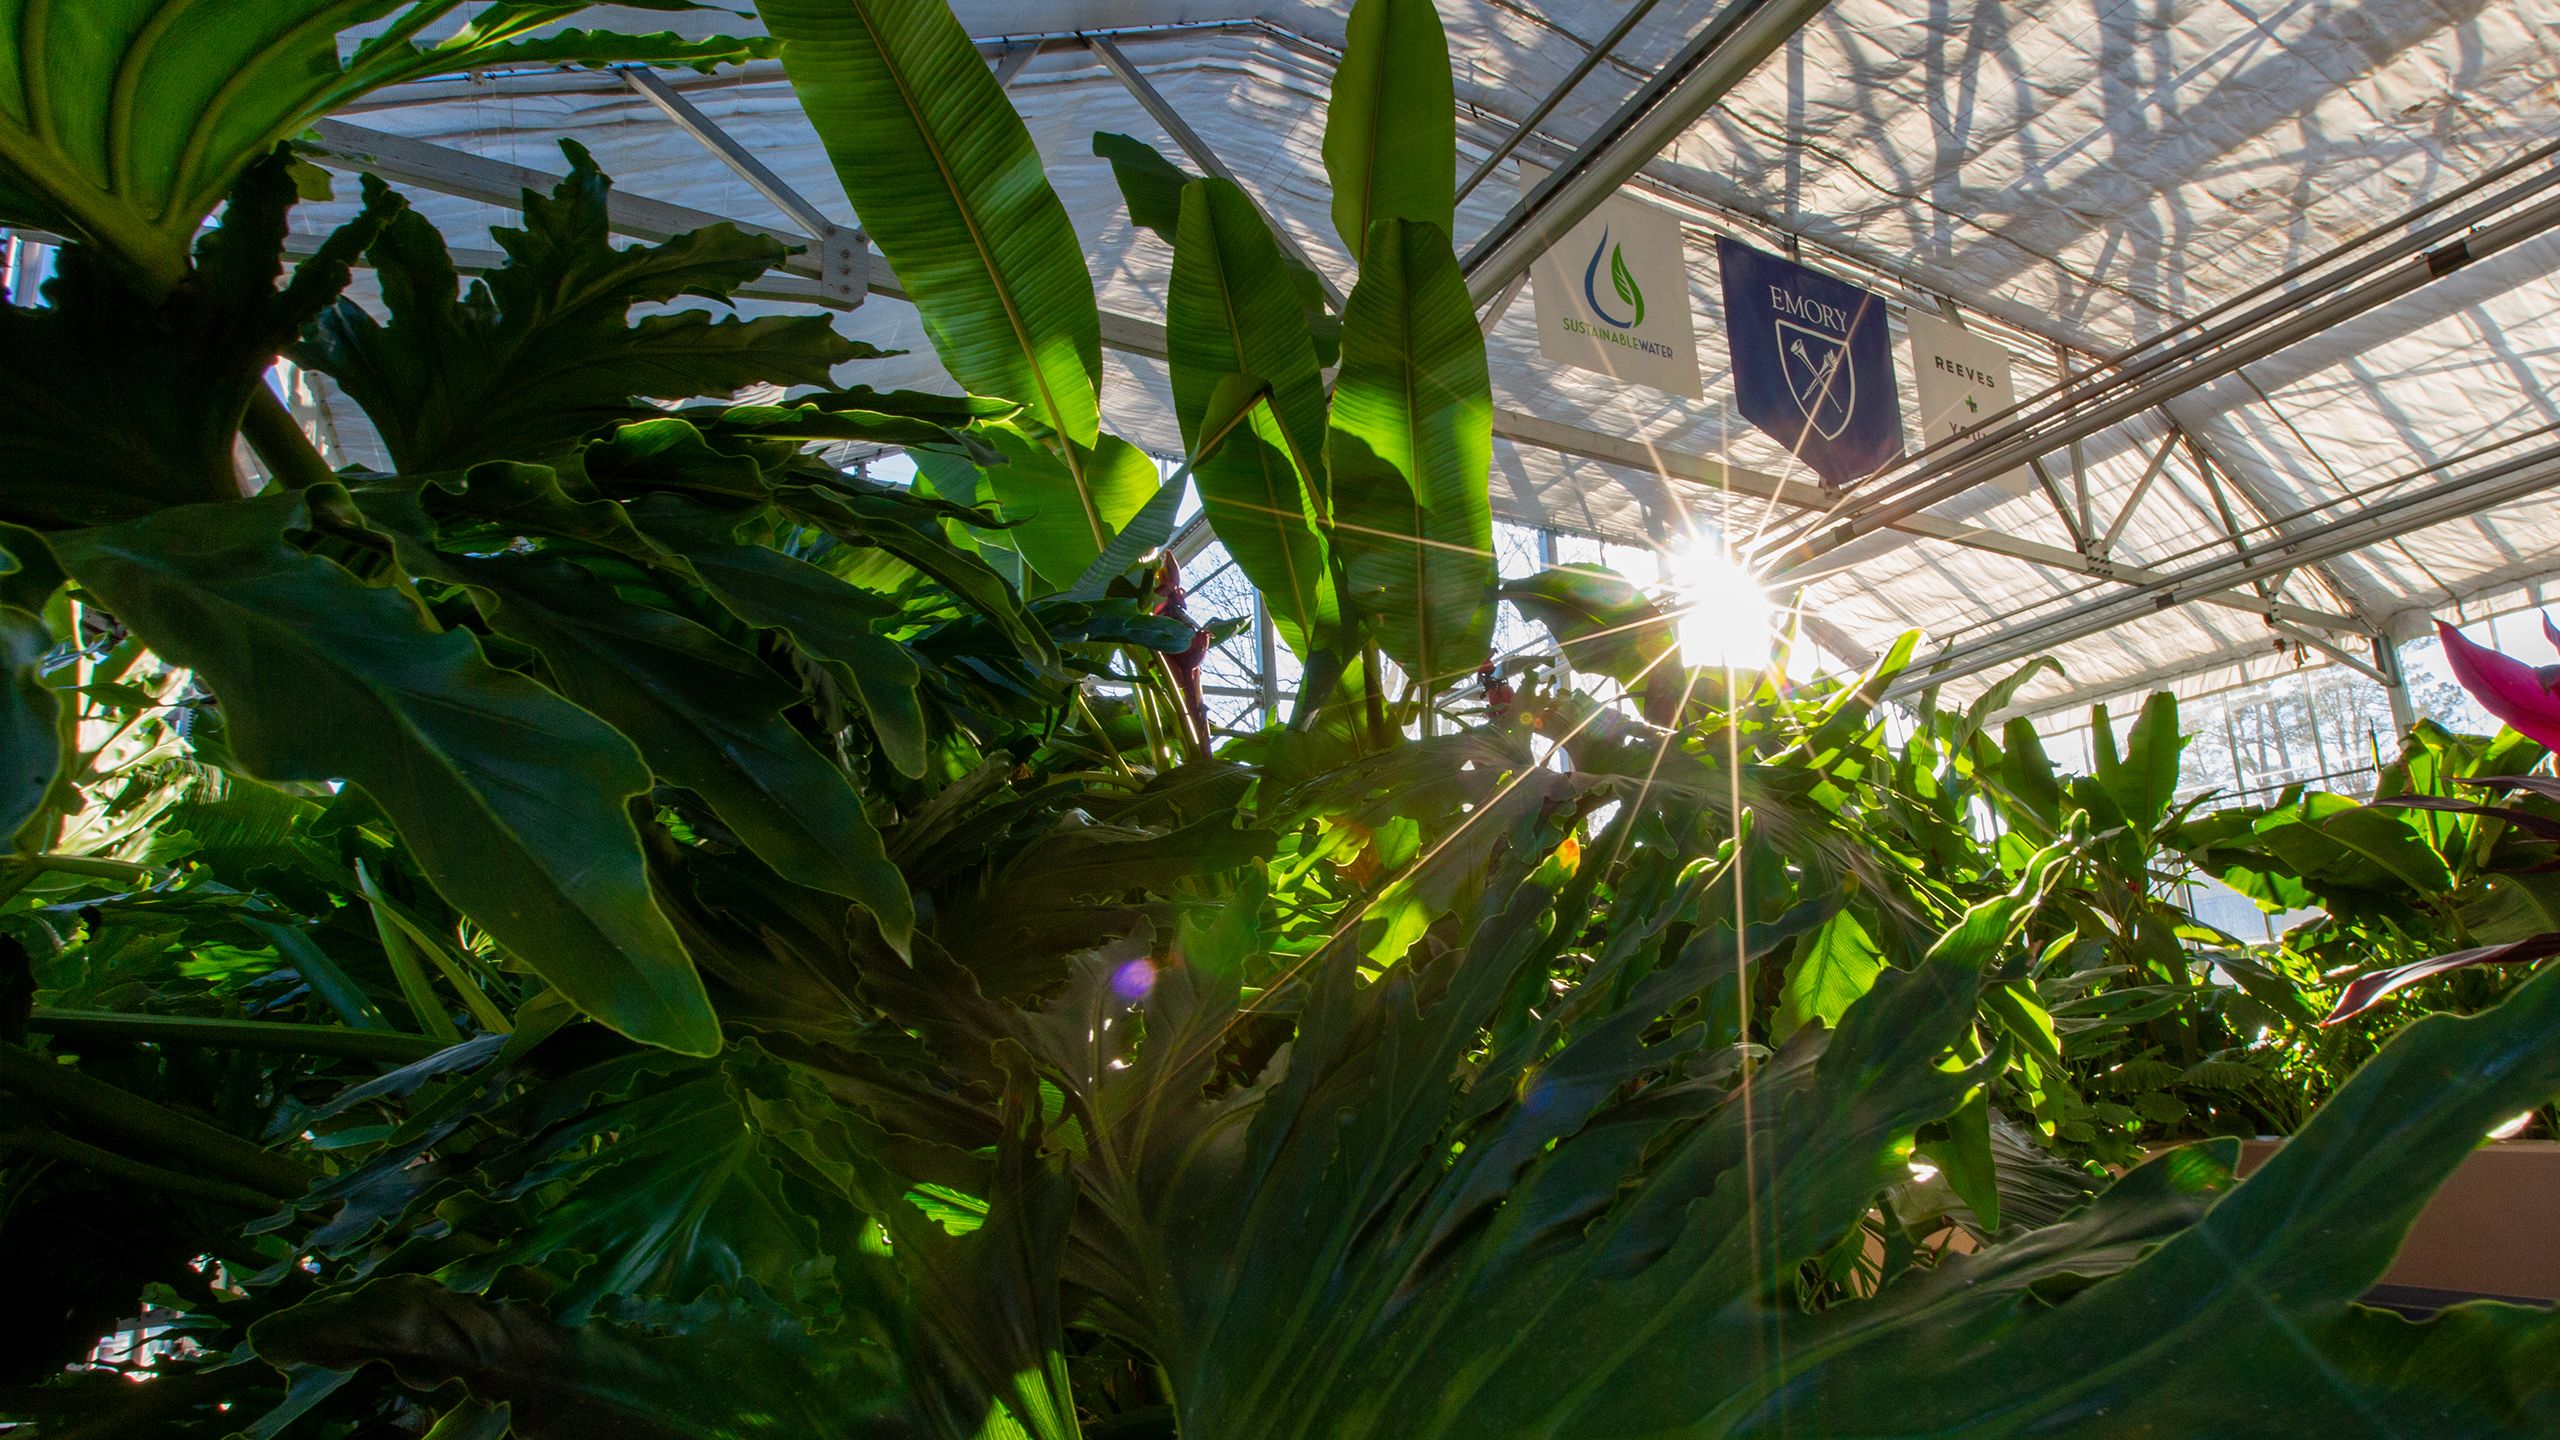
(511, 799)
(543, 351)
(708, 716)
(1230, 310)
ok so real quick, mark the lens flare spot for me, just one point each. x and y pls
(1133, 981)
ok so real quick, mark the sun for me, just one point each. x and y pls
(1726, 620)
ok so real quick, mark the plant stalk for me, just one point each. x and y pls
(279, 442)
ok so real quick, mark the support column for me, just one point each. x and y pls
(2395, 684)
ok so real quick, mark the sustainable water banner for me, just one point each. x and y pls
(1812, 363)
(1963, 380)
(1613, 296)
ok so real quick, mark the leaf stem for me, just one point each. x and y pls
(288, 454)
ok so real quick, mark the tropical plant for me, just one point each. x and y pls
(615, 927)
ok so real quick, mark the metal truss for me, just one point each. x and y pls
(460, 173)
(2485, 487)
(830, 265)
(1726, 49)
(2268, 319)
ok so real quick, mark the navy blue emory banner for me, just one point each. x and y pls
(1812, 363)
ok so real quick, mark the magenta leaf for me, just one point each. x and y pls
(2505, 687)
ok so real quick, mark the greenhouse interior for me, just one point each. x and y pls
(1253, 720)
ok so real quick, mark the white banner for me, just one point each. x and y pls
(1613, 296)
(1964, 381)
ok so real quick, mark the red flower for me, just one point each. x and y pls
(2522, 695)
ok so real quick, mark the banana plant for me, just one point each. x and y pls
(1357, 503)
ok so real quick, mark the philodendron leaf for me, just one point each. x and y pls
(512, 800)
(706, 715)
(702, 1374)
(1411, 450)
(543, 352)
(949, 185)
(1392, 125)
(182, 367)
(126, 124)
(827, 618)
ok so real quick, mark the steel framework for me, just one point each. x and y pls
(2255, 554)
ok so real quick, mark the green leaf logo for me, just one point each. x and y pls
(1626, 283)
(1619, 279)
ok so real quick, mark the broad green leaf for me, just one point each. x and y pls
(1965, 1156)
(1602, 624)
(1996, 699)
(949, 186)
(595, 1381)
(510, 798)
(126, 123)
(709, 717)
(543, 352)
(1230, 311)
(2145, 782)
(1390, 131)
(1834, 968)
(1151, 184)
(1411, 453)
(2027, 774)
(2244, 1323)
(830, 620)
(1062, 516)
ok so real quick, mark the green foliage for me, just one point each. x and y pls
(622, 928)
(542, 354)
(1390, 133)
(947, 181)
(126, 127)
(1409, 450)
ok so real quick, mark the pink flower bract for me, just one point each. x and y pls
(2505, 686)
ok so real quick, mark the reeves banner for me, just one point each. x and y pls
(1963, 380)
(1812, 363)
(1613, 296)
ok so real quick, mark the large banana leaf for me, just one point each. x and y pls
(949, 186)
(1062, 514)
(125, 123)
(1411, 450)
(511, 798)
(1231, 310)
(1391, 128)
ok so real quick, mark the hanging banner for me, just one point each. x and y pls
(1812, 363)
(1613, 296)
(1963, 380)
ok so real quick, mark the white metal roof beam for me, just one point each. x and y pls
(1728, 48)
(2485, 488)
(456, 172)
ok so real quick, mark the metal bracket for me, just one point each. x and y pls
(844, 268)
